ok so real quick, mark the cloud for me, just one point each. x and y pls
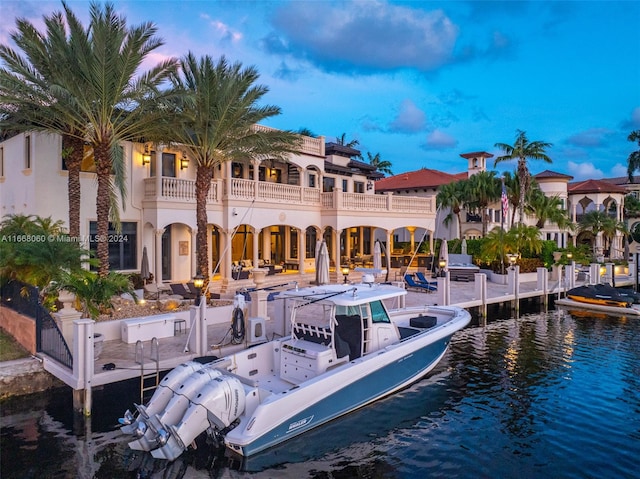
(224, 32)
(371, 36)
(285, 72)
(619, 170)
(632, 123)
(592, 138)
(437, 140)
(584, 171)
(410, 119)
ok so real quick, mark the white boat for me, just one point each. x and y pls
(344, 348)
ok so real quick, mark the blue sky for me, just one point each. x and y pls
(422, 82)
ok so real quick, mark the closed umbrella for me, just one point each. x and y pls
(377, 256)
(464, 245)
(318, 247)
(144, 267)
(322, 271)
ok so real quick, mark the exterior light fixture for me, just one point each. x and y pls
(512, 259)
(146, 155)
(569, 255)
(345, 273)
(184, 161)
(442, 264)
(369, 185)
(198, 282)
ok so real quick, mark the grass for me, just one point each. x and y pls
(10, 349)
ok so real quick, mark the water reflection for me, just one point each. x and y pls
(545, 395)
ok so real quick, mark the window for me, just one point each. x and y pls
(88, 163)
(122, 246)
(378, 313)
(345, 186)
(358, 187)
(312, 180)
(168, 164)
(27, 152)
(328, 184)
(293, 244)
(310, 245)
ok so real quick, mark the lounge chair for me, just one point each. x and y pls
(424, 280)
(408, 278)
(181, 290)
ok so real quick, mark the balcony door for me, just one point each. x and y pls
(168, 164)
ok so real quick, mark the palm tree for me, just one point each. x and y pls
(483, 189)
(30, 97)
(597, 222)
(98, 74)
(634, 158)
(452, 196)
(522, 150)
(304, 131)
(381, 165)
(512, 185)
(547, 208)
(217, 120)
(342, 140)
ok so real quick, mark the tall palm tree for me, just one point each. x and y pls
(512, 185)
(483, 189)
(342, 140)
(634, 157)
(597, 222)
(452, 196)
(547, 208)
(217, 116)
(115, 102)
(29, 95)
(381, 165)
(522, 150)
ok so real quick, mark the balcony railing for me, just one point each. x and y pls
(181, 191)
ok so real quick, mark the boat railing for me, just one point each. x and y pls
(313, 333)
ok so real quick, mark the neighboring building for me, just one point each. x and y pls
(257, 211)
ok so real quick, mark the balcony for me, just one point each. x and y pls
(180, 191)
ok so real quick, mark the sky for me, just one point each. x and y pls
(420, 83)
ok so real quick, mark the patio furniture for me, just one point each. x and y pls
(408, 278)
(181, 290)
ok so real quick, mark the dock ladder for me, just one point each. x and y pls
(148, 380)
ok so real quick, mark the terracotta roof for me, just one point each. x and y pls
(548, 174)
(476, 154)
(423, 178)
(594, 186)
(623, 180)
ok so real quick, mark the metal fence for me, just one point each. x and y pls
(25, 299)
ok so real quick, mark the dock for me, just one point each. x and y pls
(121, 361)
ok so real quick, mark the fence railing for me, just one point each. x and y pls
(25, 299)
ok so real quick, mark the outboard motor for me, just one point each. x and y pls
(160, 399)
(176, 408)
(219, 403)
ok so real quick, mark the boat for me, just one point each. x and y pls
(603, 298)
(604, 294)
(344, 346)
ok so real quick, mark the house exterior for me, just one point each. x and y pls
(578, 198)
(258, 212)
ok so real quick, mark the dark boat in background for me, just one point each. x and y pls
(604, 294)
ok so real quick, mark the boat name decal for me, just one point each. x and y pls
(300, 423)
(406, 357)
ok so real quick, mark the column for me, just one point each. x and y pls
(360, 241)
(255, 248)
(158, 265)
(266, 243)
(412, 233)
(194, 262)
(347, 243)
(302, 241)
(225, 238)
(335, 248)
(159, 150)
(389, 249)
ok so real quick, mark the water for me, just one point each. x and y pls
(546, 395)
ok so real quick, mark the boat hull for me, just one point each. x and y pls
(622, 311)
(357, 384)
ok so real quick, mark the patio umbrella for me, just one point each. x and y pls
(464, 245)
(377, 256)
(322, 265)
(144, 267)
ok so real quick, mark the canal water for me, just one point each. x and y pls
(551, 395)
